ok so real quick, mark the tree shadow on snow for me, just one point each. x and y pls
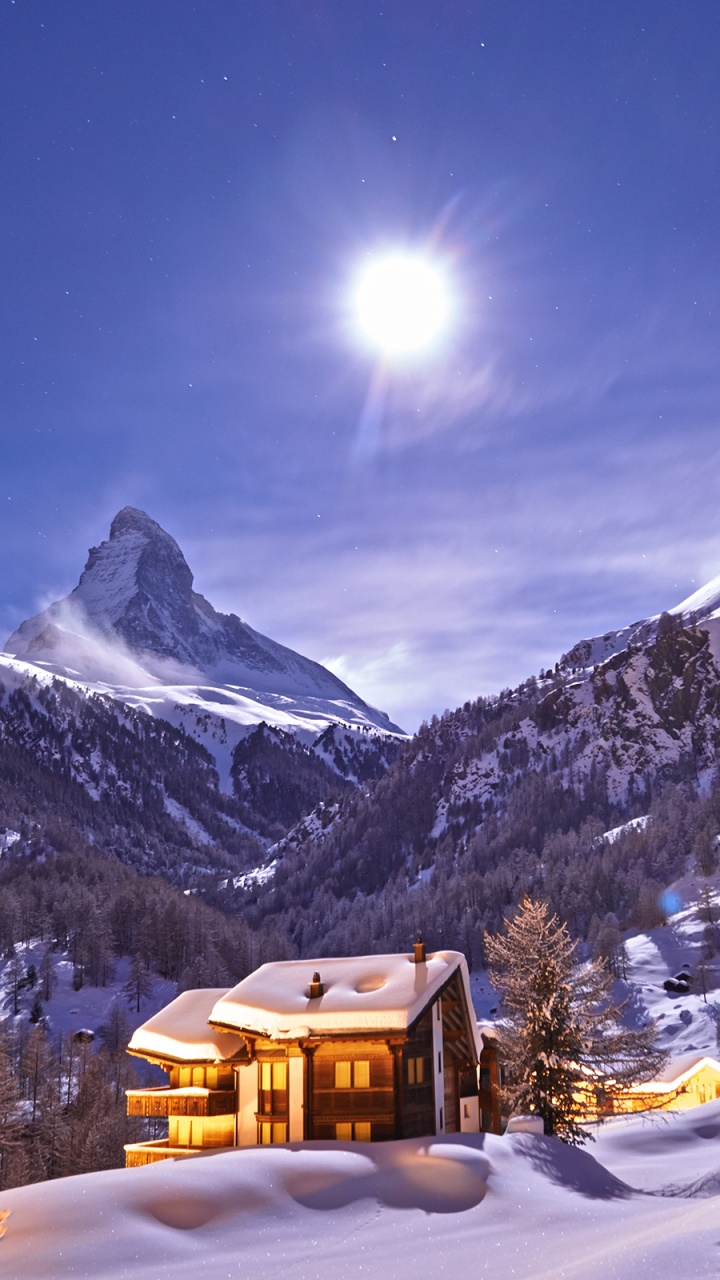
(571, 1167)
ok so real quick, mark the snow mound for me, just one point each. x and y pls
(523, 1206)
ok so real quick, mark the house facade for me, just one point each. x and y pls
(360, 1048)
(688, 1080)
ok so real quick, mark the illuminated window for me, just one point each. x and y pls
(352, 1075)
(269, 1133)
(361, 1075)
(272, 1090)
(343, 1075)
(273, 1075)
(360, 1131)
(416, 1070)
(198, 1077)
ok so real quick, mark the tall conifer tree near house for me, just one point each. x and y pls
(566, 1053)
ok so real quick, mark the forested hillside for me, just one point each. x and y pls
(76, 767)
(513, 794)
(62, 1096)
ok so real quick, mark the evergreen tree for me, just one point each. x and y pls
(566, 1054)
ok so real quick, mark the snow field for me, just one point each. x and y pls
(523, 1206)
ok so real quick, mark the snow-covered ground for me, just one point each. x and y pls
(688, 1022)
(643, 1202)
(68, 1010)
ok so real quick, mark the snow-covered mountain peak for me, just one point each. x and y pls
(702, 607)
(703, 603)
(134, 619)
(138, 558)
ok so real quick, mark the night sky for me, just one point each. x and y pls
(186, 190)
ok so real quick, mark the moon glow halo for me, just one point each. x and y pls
(402, 305)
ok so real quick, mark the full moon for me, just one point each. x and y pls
(402, 305)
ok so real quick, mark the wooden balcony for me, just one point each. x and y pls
(180, 1102)
(354, 1104)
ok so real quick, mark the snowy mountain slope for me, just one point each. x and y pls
(79, 767)
(689, 1021)
(521, 1206)
(135, 629)
(136, 642)
(68, 1009)
(634, 716)
(137, 589)
(703, 606)
(614, 730)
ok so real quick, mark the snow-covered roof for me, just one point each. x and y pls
(488, 1029)
(679, 1069)
(361, 993)
(181, 1032)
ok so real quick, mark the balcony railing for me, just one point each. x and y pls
(180, 1102)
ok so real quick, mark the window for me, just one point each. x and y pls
(198, 1077)
(352, 1075)
(273, 1075)
(360, 1131)
(272, 1090)
(484, 1077)
(416, 1070)
(269, 1133)
(343, 1075)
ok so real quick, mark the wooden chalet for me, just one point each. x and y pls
(360, 1048)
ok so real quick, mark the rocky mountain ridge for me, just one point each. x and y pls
(492, 799)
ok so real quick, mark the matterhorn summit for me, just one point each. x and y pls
(137, 591)
(134, 629)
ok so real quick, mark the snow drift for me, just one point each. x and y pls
(642, 1203)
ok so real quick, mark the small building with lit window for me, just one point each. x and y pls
(360, 1048)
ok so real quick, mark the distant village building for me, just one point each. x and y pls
(688, 1080)
(363, 1048)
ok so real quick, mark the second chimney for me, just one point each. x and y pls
(419, 953)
